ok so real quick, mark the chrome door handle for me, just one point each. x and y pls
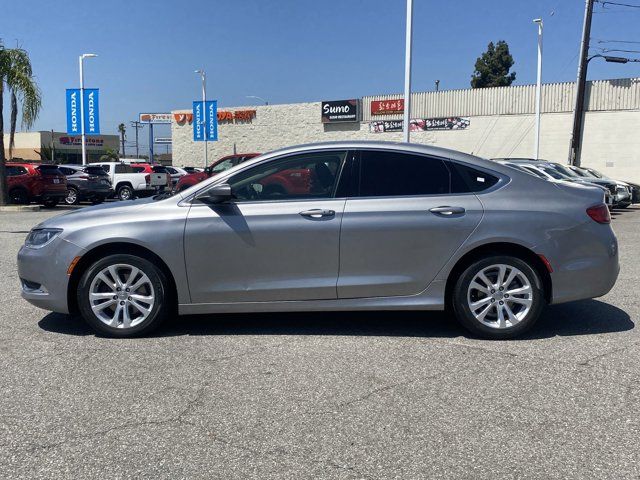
(318, 213)
(446, 211)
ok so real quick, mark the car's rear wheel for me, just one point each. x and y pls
(72, 197)
(123, 296)
(19, 196)
(498, 297)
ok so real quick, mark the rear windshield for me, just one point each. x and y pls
(49, 170)
(160, 169)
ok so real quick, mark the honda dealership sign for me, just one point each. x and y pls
(91, 111)
(336, 111)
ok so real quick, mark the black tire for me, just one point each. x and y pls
(19, 196)
(462, 310)
(73, 197)
(159, 310)
(50, 202)
(125, 192)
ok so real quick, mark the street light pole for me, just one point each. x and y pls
(203, 75)
(82, 132)
(407, 72)
(258, 98)
(536, 154)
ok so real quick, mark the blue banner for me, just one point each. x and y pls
(205, 121)
(91, 111)
(198, 122)
(212, 120)
(73, 111)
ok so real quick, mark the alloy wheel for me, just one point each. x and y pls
(500, 296)
(121, 296)
(72, 197)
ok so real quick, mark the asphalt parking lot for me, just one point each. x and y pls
(364, 395)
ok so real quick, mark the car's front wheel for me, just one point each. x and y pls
(72, 198)
(123, 296)
(498, 297)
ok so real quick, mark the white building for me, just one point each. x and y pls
(491, 122)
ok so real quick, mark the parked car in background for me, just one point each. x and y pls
(590, 173)
(148, 168)
(86, 182)
(215, 168)
(34, 182)
(176, 173)
(127, 184)
(192, 169)
(385, 227)
(550, 171)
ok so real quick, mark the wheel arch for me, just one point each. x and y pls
(500, 248)
(102, 251)
(123, 183)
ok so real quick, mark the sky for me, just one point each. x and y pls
(290, 50)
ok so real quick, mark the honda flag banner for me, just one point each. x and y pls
(205, 120)
(91, 111)
(73, 111)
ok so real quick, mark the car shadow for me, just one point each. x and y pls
(587, 317)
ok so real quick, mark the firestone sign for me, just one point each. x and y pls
(337, 111)
(155, 118)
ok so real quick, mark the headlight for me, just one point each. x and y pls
(39, 237)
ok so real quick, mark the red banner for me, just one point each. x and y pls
(384, 107)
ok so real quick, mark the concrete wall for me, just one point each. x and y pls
(611, 140)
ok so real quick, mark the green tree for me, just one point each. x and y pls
(16, 75)
(492, 67)
(110, 155)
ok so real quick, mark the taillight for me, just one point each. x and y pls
(147, 178)
(599, 213)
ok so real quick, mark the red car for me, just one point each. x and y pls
(215, 168)
(35, 182)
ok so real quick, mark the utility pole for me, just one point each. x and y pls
(578, 111)
(137, 125)
(406, 127)
(536, 147)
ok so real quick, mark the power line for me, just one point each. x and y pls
(617, 41)
(608, 50)
(604, 4)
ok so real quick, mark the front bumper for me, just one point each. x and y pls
(43, 274)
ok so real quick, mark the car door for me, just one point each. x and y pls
(403, 223)
(277, 240)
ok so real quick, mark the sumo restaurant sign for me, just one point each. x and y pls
(340, 111)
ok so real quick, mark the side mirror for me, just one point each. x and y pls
(216, 194)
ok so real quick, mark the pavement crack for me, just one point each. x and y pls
(588, 361)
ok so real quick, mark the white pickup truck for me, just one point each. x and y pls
(126, 183)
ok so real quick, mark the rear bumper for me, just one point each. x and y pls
(587, 266)
(43, 274)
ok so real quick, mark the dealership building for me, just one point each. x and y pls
(66, 148)
(489, 122)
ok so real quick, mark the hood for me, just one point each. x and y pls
(104, 211)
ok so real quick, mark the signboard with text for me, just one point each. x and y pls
(421, 124)
(155, 118)
(386, 107)
(91, 111)
(336, 111)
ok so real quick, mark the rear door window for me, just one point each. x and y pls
(390, 174)
(15, 171)
(122, 168)
(49, 170)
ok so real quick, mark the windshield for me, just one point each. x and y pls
(581, 173)
(595, 173)
(565, 170)
(552, 172)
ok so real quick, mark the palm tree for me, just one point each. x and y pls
(16, 74)
(122, 129)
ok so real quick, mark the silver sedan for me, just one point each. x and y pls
(334, 226)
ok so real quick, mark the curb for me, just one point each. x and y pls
(20, 208)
